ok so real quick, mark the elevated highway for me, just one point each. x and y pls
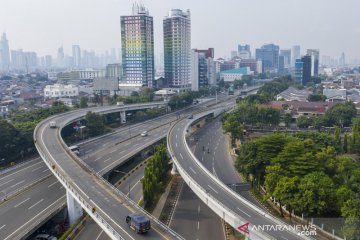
(86, 188)
(234, 209)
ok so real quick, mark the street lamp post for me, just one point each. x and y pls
(118, 171)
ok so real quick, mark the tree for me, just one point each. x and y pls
(316, 194)
(341, 114)
(303, 122)
(95, 124)
(287, 119)
(273, 174)
(285, 190)
(83, 102)
(345, 145)
(232, 126)
(297, 158)
(351, 211)
(337, 137)
(316, 98)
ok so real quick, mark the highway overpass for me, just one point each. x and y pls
(234, 209)
(86, 189)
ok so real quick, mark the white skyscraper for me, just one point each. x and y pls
(177, 49)
(76, 54)
(295, 54)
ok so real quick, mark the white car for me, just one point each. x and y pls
(144, 134)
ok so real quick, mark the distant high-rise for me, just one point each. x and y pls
(137, 41)
(307, 69)
(286, 53)
(315, 55)
(244, 51)
(60, 58)
(177, 49)
(203, 68)
(342, 60)
(76, 54)
(4, 53)
(295, 54)
(48, 61)
(269, 55)
(233, 54)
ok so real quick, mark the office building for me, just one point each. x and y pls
(281, 68)
(4, 53)
(177, 49)
(223, 65)
(203, 69)
(233, 54)
(137, 42)
(295, 54)
(60, 90)
(342, 60)
(315, 55)
(235, 74)
(25, 61)
(244, 51)
(286, 53)
(253, 64)
(299, 66)
(269, 55)
(48, 61)
(307, 69)
(76, 55)
(60, 58)
(114, 70)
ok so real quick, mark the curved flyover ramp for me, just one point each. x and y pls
(103, 202)
(231, 207)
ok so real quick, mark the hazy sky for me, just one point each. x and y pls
(333, 26)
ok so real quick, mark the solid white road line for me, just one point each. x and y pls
(2, 226)
(21, 169)
(244, 212)
(18, 183)
(36, 204)
(7, 182)
(213, 189)
(36, 169)
(192, 170)
(52, 184)
(99, 234)
(22, 202)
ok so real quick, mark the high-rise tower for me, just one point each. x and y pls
(4, 53)
(137, 41)
(177, 49)
(315, 55)
(76, 54)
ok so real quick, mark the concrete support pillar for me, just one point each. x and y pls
(123, 116)
(174, 170)
(75, 210)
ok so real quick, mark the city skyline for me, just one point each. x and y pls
(307, 23)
